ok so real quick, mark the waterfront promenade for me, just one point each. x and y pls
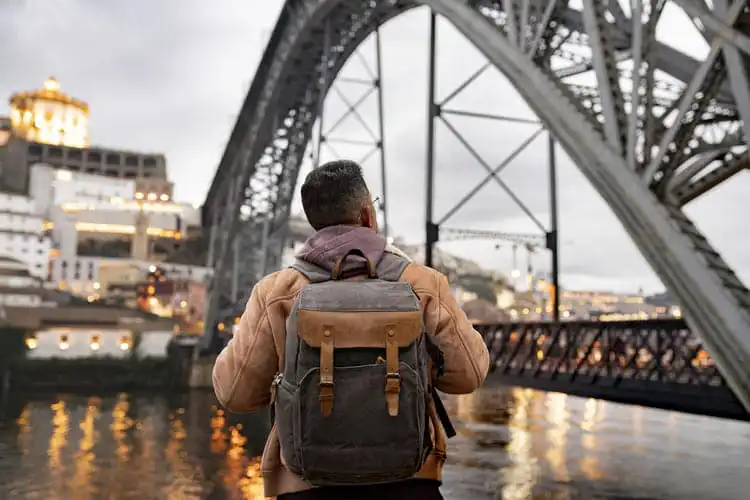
(513, 444)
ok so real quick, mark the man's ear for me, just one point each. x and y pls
(367, 217)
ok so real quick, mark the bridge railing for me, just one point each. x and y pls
(656, 350)
(658, 363)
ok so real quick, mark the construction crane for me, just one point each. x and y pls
(451, 234)
(531, 242)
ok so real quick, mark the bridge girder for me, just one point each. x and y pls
(622, 141)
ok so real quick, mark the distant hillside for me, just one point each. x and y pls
(664, 299)
(462, 272)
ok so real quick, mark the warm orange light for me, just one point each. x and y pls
(120, 204)
(93, 227)
(51, 84)
(49, 116)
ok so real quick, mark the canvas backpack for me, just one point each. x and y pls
(352, 403)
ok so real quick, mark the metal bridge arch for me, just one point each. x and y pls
(249, 199)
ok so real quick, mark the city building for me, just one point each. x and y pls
(51, 127)
(73, 225)
(108, 339)
(587, 305)
(81, 229)
(22, 234)
(18, 288)
(116, 278)
(77, 213)
(83, 330)
(50, 116)
(91, 214)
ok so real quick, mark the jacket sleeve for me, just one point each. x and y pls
(464, 350)
(244, 370)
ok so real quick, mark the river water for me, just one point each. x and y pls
(513, 444)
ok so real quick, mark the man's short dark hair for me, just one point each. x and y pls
(334, 194)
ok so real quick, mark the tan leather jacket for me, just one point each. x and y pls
(245, 369)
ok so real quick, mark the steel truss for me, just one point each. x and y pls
(329, 136)
(648, 147)
(439, 111)
(656, 363)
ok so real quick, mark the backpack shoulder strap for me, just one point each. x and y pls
(313, 273)
(391, 266)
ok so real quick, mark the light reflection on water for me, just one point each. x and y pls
(514, 444)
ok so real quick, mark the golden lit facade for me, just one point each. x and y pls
(49, 116)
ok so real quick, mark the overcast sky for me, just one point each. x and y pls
(170, 76)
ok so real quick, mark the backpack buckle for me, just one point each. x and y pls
(325, 396)
(392, 390)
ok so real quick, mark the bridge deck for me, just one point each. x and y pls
(656, 363)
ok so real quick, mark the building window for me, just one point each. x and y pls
(113, 159)
(131, 160)
(94, 157)
(35, 150)
(31, 342)
(125, 342)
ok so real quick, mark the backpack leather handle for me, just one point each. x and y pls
(338, 267)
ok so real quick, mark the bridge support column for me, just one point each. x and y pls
(553, 240)
(431, 229)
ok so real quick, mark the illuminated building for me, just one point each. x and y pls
(49, 116)
(20, 155)
(18, 288)
(22, 234)
(106, 340)
(87, 210)
(587, 305)
(94, 219)
(50, 127)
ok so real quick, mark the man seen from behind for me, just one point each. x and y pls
(348, 347)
